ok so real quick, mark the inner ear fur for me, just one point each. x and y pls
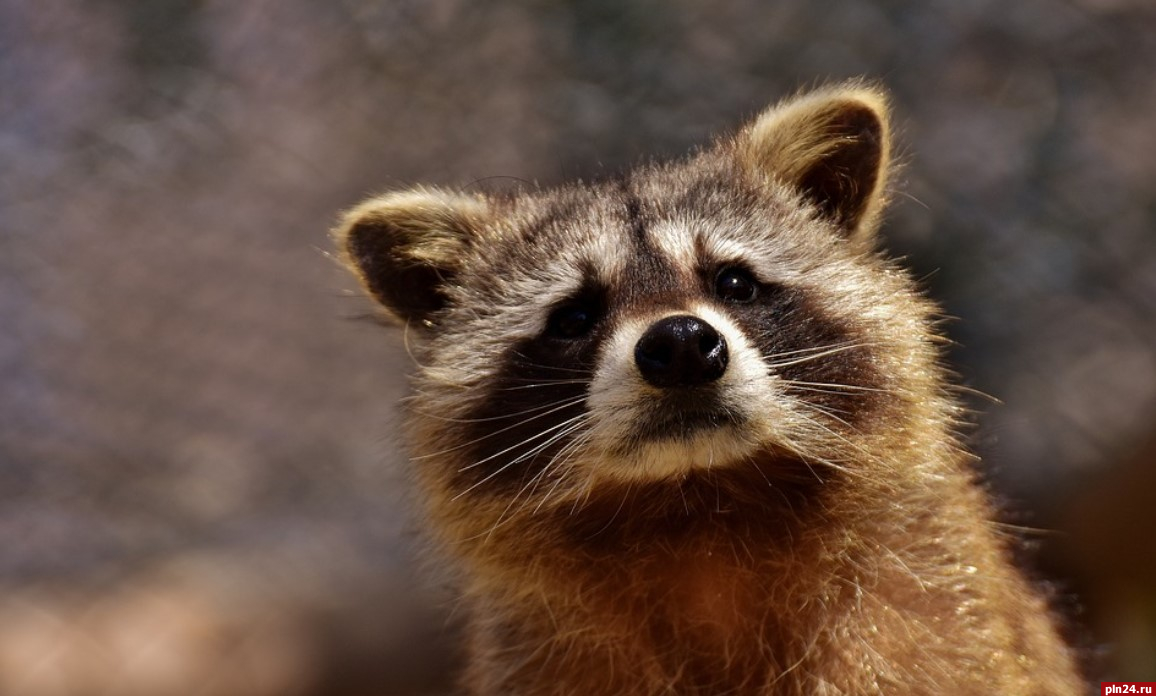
(406, 247)
(833, 146)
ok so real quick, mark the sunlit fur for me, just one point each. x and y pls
(817, 532)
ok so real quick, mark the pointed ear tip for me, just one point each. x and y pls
(395, 205)
(859, 96)
(381, 205)
(356, 215)
(855, 98)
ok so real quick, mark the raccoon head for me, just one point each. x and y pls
(727, 312)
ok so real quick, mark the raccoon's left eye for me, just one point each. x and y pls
(570, 321)
(735, 285)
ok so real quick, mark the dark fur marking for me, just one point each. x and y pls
(782, 322)
(634, 218)
(762, 502)
(524, 401)
(649, 273)
(650, 279)
(681, 414)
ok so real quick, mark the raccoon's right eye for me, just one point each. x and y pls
(736, 285)
(570, 321)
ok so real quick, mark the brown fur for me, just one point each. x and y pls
(807, 525)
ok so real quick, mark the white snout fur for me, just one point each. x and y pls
(620, 397)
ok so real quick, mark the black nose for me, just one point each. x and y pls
(681, 351)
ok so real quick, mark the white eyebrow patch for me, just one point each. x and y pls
(719, 246)
(674, 239)
(690, 243)
(607, 256)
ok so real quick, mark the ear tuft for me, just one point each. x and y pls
(406, 247)
(833, 146)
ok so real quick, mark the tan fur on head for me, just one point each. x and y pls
(834, 147)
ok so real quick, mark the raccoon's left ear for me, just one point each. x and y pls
(833, 146)
(406, 247)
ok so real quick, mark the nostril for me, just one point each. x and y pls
(713, 350)
(657, 350)
(681, 351)
(710, 342)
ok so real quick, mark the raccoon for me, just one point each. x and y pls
(686, 431)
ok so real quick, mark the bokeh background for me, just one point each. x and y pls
(199, 490)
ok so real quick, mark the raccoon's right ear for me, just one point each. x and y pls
(406, 247)
(833, 146)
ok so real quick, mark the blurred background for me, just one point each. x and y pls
(199, 490)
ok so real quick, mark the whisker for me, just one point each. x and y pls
(809, 349)
(816, 356)
(525, 361)
(834, 465)
(559, 407)
(541, 433)
(621, 504)
(551, 383)
(829, 385)
(504, 416)
(532, 483)
(559, 433)
(976, 392)
(563, 456)
(831, 413)
(813, 390)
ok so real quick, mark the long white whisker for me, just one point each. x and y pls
(541, 433)
(531, 483)
(504, 416)
(525, 361)
(571, 449)
(551, 383)
(559, 407)
(559, 431)
(816, 356)
(820, 386)
(827, 462)
(810, 349)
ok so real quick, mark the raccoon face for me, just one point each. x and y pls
(690, 317)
